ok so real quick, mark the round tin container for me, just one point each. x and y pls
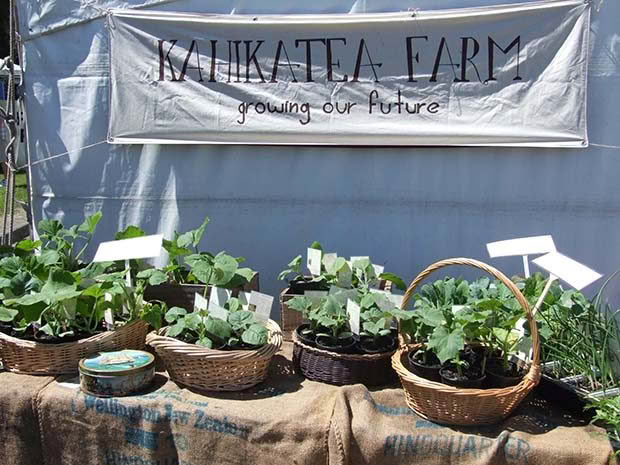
(115, 374)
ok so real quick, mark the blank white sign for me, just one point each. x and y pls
(127, 249)
(521, 246)
(567, 269)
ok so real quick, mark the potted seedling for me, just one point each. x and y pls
(190, 270)
(335, 334)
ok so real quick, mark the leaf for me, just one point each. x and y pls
(431, 316)
(446, 345)
(174, 250)
(28, 245)
(129, 233)
(205, 342)
(152, 314)
(396, 280)
(316, 245)
(49, 227)
(245, 273)
(154, 276)
(240, 318)
(47, 329)
(225, 267)
(220, 329)
(90, 223)
(49, 257)
(177, 328)
(336, 266)
(11, 265)
(7, 314)
(174, 313)
(193, 321)
(255, 335)
(299, 303)
(233, 304)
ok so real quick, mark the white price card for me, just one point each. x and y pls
(521, 246)
(313, 261)
(260, 304)
(378, 269)
(244, 299)
(354, 316)
(574, 273)
(217, 311)
(127, 249)
(200, 303)
(329, 259)
(219, 295)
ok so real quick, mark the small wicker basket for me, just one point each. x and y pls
(34, 358)
(342, 369)
(455, 406)
(215, 370)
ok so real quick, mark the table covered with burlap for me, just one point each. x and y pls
(285, 420)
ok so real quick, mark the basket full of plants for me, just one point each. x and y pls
(350, 335)
(225, 350)
(56, 309)
(456, 353)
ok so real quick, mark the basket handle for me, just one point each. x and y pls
(493, 272)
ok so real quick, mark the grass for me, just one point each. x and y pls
(21, 193)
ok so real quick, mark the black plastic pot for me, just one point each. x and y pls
(384, 344)
(298, 287)
(496, 377)
(305, 339)
(430, 372)
(462, 382)
(344, 346)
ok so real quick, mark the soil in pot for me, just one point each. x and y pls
(498, 377)
(382, 344)
(471, 378)
(428, 369)
(306, 335)
(341, 346)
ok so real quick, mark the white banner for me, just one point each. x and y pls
(511, 75)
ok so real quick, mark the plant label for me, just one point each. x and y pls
(244, 299)
(219, 295)
(456, 308)
(108, 316)
(126, 249)
(378, 269)
(523, 246)
(316, 297)
(571, 271)
(329, 259)
(216, 311)
(260, 304)
(524, 347)
(313, 261)
(354, 316)
(200, 303)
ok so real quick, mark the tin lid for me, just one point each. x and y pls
(118, 363)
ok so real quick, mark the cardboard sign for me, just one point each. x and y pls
(354, 316)
(313, 261)
(568, 270)
(200, 303)
(217, 311)
(220, 295)
(127, 249)
(260, 304)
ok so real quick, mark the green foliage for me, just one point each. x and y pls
(200, 328)
(607, 412)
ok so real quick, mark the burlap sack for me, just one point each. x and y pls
(20, 441)
(286, 420)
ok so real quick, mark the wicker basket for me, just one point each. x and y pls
(291, 319)
(342, 369)
(215, 370)
(34, 358)
(450, 405)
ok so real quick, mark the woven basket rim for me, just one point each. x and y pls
(51, 346)
(158, 340)
(336, 355)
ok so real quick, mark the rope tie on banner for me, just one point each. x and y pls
(8, 117)
(68, 152)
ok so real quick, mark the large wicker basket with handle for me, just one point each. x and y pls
(456, 406)
(35, 358)
(215, 370)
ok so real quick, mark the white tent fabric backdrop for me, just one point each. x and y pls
(405, 207)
